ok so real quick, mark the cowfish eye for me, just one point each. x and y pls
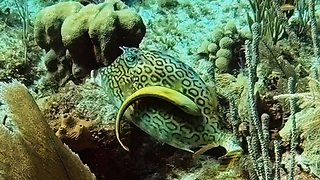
(129, 56)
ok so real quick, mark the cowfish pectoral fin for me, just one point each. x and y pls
(203, 149)
(167, 94)
(172, 96)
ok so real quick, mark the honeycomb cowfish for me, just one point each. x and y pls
(165, 98)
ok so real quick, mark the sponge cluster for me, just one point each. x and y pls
(220, 45)
(80, 38)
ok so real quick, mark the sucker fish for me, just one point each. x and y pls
(136, 69)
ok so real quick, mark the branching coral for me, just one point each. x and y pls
(259, 127)
(268, 14)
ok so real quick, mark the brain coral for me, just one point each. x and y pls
(90, 35)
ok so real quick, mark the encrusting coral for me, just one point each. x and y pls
(86, 37)
(31, 150)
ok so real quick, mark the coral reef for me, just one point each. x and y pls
(31, 150)
(14, 61)
(85, 38)
(307, 122)
(72, 107)
(106, 157)
(249, 81)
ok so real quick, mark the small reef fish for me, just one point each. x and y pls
(167, 99)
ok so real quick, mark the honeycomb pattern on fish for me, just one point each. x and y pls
(136, 69)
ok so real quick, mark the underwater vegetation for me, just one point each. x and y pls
(168, 89)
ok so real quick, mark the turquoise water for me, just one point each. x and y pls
(244, 52)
